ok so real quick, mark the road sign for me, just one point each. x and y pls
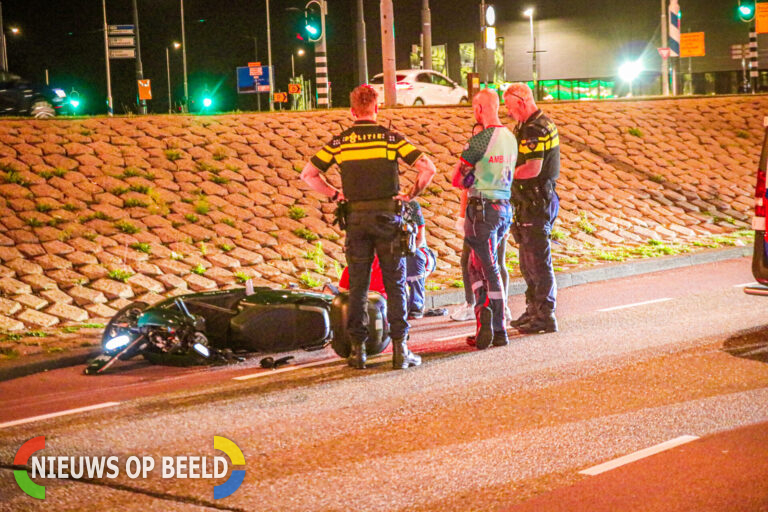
(253, 79)
(761, 17)
(122, 53)
(664, 52)
(692, 44)
(122, 42)
(294, 88)
(739, 51)
(280, 97)
(121, 30)
(145, 89)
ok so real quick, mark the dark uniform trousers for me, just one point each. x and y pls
(379, 231)
(531, 227)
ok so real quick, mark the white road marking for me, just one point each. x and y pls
(641, 454)
(614, 308)
(753, 283)
(265, 373)
(754, 352)
(455, 336)
(55, 414)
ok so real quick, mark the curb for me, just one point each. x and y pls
(45, 362)
(606, 272)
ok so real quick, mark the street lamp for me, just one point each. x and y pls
(529, 13)
(176, 46)
(629, 71)
(15, 31)
(300, 53)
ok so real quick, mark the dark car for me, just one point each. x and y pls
(18, 97)
(760, 252)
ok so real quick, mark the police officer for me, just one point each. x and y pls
(536, 206)
(367, 155)
(486, 168)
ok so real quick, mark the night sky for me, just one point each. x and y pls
(66, 38)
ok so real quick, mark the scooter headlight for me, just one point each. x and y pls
(117, 342)
(202, 350)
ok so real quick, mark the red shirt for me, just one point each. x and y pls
(377, 281)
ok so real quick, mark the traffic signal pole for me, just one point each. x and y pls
(321, 63)
(753, 71)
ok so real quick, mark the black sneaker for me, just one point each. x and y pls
(416, 314)
(500, 339)
(539, 325)
(485, 331)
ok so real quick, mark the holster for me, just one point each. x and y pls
(341, 214)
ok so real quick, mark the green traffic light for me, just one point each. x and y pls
(74, 103)
(311, 29)
(207, 102)
(745, 10)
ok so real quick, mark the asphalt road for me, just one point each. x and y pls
(638, 361)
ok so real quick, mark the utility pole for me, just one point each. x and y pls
(426, 34)
(139, 67)
(110, 108)
(664, 53)
(362, 53)
(388, 52)
(4, 56)
(269, 58)
(184, 60)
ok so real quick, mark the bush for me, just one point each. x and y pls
(308, 281)
(584, 223)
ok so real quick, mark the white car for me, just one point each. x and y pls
(422, 87)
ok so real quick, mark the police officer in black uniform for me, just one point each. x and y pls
(536, 207)
(367, 155)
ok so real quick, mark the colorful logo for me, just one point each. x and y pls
(22, 476)
(235, 480)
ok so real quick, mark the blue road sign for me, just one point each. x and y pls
(253, 79)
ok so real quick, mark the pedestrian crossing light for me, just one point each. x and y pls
(746, 10)
(313, 24)
(207, 102)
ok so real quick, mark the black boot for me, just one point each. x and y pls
(522, 319)
(402, 358)
(357, 357)
(539, 325)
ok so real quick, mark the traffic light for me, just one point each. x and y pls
(313, 24)
(746, 10)
(207, 102)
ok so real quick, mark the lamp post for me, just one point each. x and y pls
(184, 60)
(529, 12)
(629, 71)
(168, 71)
(300, 53)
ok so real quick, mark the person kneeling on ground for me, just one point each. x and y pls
(418, 265)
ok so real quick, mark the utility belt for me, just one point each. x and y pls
(382, 205)
(405, 243)
(532, 195)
